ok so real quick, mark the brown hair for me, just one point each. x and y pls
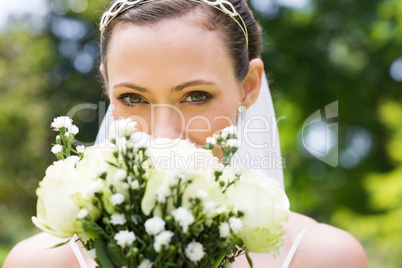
(230, 31)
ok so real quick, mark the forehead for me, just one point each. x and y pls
(167, 48)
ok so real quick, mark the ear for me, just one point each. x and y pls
(252, 83)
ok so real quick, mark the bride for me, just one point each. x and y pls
(186, 69)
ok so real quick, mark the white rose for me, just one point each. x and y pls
(56, 211)
(203, 187)
(95, 161)
(120, 175)
(265, 205)
(83, 213)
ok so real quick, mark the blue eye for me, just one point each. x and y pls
(198, 97)
(131, 99)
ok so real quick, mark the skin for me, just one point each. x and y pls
(151, 58)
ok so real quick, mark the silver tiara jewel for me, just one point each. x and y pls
(120, 6)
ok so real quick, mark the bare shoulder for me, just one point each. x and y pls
(327, 246)
(38, 251)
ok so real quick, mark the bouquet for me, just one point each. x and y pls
(134, 201)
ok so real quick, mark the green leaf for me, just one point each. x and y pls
(249, 260)
(116, 255)
(61, 244)
(101, 254)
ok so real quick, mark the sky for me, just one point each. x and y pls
(39, 8)
(20, 8)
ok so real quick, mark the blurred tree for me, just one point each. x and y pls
(45, 71)
(347, 51)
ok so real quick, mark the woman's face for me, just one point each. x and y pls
(175, 78)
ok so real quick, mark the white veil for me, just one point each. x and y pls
(258, 134)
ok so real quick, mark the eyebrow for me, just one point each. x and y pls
(174, 89)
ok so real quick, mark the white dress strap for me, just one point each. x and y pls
(296, 244)
(77, 253)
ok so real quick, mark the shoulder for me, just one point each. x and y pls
(327, 246)
(38, 251)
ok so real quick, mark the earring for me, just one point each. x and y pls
(242, 108)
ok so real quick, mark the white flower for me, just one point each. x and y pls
(155, 225)
(122, 128)
(162, 239)
(232, 130)
(117, 199)
(161, 193)
(92, 188)
(140, 139)
(74, 158)
(56, 210)
(194, 251)
(145, 264)
(60, 122)
(135, 185)
(236, 225)
(121, 145)
(67, 134)
(91, 253)
(82, 213)
(124, 238)
(184, 217)
(232, 143)
(57, 148)
(80, 148)
(125, 186)
(202, 194)
(101, 168)
(209, 209)
(74, 129)
(118, 219)
(265, 205)
(224, 230)
(120, 175)
(211, 140)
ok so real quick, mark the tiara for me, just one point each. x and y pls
(120, 6)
